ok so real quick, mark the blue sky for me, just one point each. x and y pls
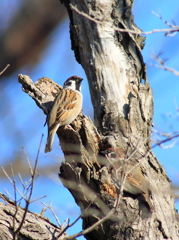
(58, 63)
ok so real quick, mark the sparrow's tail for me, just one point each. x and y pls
(49, 143)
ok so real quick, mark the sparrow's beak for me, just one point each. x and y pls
(80, 80)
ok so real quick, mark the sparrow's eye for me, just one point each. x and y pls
(68, 83)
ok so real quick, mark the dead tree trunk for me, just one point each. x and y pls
(123, 110)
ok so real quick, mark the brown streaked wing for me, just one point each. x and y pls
(66, 103)
(134, 181)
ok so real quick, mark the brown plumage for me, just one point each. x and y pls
(65, 109)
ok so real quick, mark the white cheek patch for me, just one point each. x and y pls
(71, 85)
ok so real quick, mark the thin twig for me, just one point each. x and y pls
(4, 171)
(52, 210)
(15, 196)
(21, 180)
(164, 67)
(73, 223)
(12, 181)
(165, 140)
(28, 161)
(138, 32)
(167, 23)
(134, 151)
(30, 194)
(36, 199)
(13, 200)
(87, 230)
(8, 65)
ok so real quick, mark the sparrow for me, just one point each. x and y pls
(129, 174)
(66, 107)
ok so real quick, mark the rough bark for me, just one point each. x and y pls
(123, 110)
(35, 225)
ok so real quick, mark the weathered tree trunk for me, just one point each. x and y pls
(123, 110)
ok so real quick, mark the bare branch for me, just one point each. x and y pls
(169, 138)
(174, 27)
(87, 230)
(15, 233)
(27, 158)
(168, 31)
(8, 65)
(52, 210)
